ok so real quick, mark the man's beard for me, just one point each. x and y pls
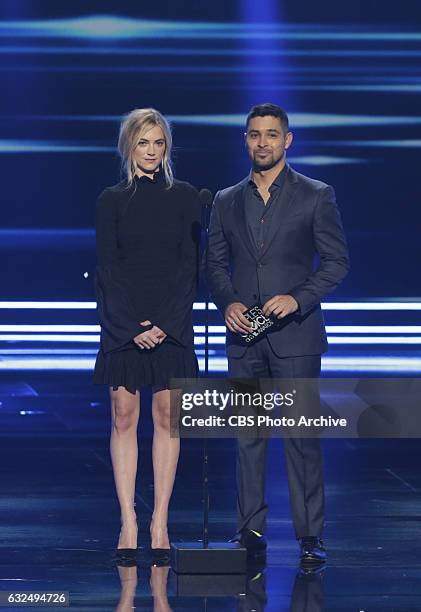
(266, 165)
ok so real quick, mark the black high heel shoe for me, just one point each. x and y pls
(126, 554)
(160, 556)
(124, 562)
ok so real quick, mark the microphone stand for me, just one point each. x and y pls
(227, 559)
(206, 198)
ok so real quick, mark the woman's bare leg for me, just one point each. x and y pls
(158, 582)
(165, 452)
(128, 579)
(125, 410)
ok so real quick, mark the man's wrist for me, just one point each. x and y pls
(146, 327)
(227, 306)
(296, 301)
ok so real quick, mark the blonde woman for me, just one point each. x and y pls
(147, 236)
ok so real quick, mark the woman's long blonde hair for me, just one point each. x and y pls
(133, 127)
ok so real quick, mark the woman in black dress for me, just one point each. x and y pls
(147, 233)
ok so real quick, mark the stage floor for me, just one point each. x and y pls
(60, 518)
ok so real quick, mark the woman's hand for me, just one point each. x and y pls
(150, 338)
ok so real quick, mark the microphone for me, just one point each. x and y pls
(206, 199)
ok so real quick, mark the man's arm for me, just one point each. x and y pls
(217, 259)
(330, 242)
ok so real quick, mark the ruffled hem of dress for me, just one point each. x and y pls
(134, 368)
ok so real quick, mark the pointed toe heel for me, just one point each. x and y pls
(160, 555)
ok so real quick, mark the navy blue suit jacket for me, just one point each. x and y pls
(306, 227)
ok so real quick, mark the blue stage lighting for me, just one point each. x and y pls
(384, 304)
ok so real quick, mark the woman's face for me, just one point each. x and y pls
(150, 150)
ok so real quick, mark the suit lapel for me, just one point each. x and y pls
(282, 206)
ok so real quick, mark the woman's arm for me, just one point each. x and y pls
(177, 315)
(116, 313)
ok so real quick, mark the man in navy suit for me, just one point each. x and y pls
(264, 236)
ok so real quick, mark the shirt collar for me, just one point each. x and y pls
(278, 181)
(158, 177)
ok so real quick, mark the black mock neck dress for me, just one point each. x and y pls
(147, 240)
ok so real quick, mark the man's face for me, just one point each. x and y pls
(266, 143)
(150, 150)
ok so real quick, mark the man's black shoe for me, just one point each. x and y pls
(315, 569)
(312, 551)
(254, 541)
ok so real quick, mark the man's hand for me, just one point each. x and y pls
(235, 320)
(150, 338)
(280, 306)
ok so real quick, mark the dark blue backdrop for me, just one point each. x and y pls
(348, 75)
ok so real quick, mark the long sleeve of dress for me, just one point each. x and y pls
(175, 316)
(119, 324)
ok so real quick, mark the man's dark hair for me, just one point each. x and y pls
(263, 110)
